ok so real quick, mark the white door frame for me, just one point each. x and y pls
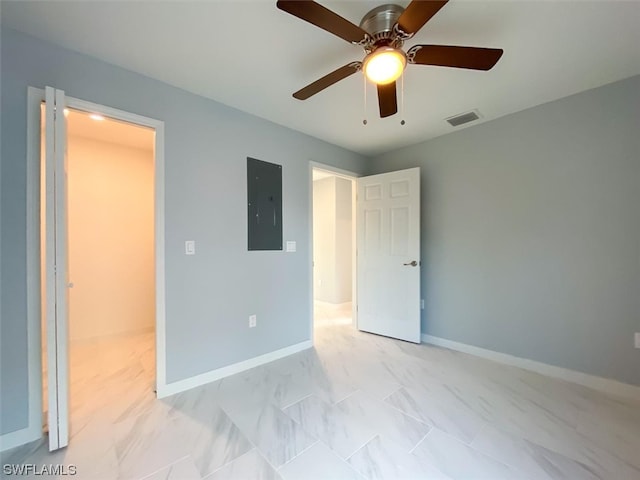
(35, 97)
(338, 172)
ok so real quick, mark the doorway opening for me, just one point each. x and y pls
(111, 258)
(385, 267)
(334, 248)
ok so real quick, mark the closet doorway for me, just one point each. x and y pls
(100, 285)
(334, 246)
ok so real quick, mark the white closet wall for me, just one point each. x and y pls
(111, 257)
(332, 239)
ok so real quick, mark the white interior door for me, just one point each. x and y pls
(388, 254)
(57, 282)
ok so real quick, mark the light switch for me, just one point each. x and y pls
(291, 246)
(190, 247)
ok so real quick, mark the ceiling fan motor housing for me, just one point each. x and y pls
(379, 23)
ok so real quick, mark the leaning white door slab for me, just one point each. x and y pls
(388, 254)
(56, 268)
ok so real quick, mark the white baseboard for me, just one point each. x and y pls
(606, 385)
(213, 375)
(19, 437)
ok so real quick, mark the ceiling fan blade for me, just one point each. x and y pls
(324, 18)
(417, 13)
(387, 100)
(473, 58)
(328, 80)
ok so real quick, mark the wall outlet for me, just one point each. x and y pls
(637, 339)
(252, 321)
(422, 304)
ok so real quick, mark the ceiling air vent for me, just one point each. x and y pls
(463, 118)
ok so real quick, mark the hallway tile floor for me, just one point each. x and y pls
(356, 406)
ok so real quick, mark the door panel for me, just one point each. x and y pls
(56, 269)
(388, 216)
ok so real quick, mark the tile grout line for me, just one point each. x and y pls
(495, 459)
(343, 460)
(294, 403)
(255, 447)
(347, 397)
(166, 466)
(231, 461)
(481, 452)
(384, 399)
(485, 425)
(363, 445)
(538, 445)
(422, 421)
(421, 440)
(296, 456)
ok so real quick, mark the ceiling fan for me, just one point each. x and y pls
(382, 33)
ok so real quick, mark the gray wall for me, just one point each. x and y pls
(208, 296)
(531, 232)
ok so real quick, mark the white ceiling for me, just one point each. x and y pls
(252, 56)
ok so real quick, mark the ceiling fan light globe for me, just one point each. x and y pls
(385, 65)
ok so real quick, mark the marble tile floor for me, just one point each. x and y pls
(356, 406)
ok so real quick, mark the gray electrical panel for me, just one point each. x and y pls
(264, 198)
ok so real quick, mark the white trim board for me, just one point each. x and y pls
(213, 375)
(612, 387)
(33, 430)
